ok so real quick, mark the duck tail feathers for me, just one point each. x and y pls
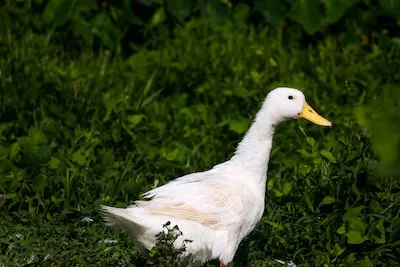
(117, 217)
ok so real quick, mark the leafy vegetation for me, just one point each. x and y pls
(101, 102)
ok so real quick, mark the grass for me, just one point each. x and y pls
(79, 129)
(62, 242)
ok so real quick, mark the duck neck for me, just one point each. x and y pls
(254, 150)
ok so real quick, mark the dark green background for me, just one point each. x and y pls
(103, 100)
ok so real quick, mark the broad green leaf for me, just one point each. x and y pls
(135, 120)
(239, 126)
(83, 29)
(54, 163)
(327, 200)
(214, 11)
(354, 211)
(378, 233)
(108, 158)
(38, 137)
(15, 148)
(366, 262)
(356, 223)
(43, 153)
(158, 17)
(107, 31)
(309, 202)
(169, 154)
(10, 195)
(110, 100)
(278, 193)
(129, 15)
(381, 119)
(325, 173)
(4, 152)
(274, 11)
(328, 155)
(179, 8)
(342, 230)
(270, 184)
(59, 11)
(227, 2)
(38, 183)
(27, 145)
(256, 76)
(335, 9)
(375, 206)
(355, 237)
(338, 249)
(310, 141)
(78, 157)
(308, 13)
(287, 187)
(304, 153)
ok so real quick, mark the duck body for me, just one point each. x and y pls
(215, 221)
(216, 209)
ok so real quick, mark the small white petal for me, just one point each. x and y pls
(109, 241)
(289, 263)
(47, 257)
(16, 236)
(32, 259)
(87, 219)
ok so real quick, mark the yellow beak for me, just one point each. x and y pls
(309, 113)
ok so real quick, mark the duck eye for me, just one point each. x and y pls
(290, 97)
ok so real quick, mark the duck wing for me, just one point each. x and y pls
(209, 198)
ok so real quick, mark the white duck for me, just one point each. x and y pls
(217, 208)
